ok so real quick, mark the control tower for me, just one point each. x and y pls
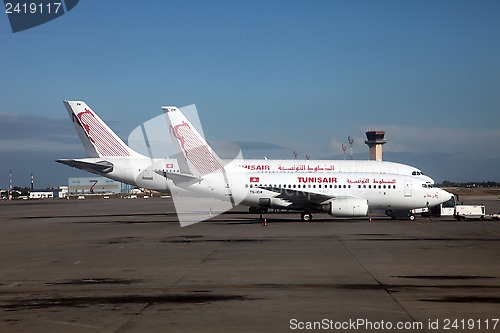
(375, 140)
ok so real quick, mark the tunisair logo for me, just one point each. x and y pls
(25, 15)
(317, 179)
(103, 140)
(195, 150)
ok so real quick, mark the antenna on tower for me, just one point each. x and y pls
(344, 149)
(351, 141)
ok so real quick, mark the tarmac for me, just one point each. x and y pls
(125, 265)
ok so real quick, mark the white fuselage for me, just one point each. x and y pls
(139, 171)
(405, 191)
(382, 191)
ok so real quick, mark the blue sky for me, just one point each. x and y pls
(277, 76)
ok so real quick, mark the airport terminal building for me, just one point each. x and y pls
(95, 185)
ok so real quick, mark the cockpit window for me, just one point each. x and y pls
(427, 185)
(417, 173)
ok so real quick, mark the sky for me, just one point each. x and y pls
(273, 76)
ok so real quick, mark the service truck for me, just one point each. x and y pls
(469, 212)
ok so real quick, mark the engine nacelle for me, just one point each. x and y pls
(347, 207)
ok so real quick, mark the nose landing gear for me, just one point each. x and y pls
(306, 216)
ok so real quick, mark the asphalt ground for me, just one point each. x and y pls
(125, 265)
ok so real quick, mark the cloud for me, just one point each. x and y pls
(37, 145)
(28, 133)
(253, 145)
(468, 143)
(465, 143)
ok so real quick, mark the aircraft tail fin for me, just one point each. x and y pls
(200, 158)
(96, 137)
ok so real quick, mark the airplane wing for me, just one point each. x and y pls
(298, 197)
(347, 205)
(98, 167)
(180, 179)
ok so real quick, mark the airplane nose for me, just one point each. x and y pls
(444, 195)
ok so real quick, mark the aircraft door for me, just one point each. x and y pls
(147, 172)
(227, 189)
(407, 188)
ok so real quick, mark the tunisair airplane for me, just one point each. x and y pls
(198, 170)
(342, 194)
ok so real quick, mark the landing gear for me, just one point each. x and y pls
(258, 210)
(401, 215)
(306, 216)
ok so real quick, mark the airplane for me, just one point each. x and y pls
(342, 194)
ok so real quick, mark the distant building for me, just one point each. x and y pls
(63, 192)
(44, 194)
(91, 185)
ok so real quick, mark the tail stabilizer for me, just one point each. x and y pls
(96, 137)
(200, 158)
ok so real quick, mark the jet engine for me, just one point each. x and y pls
(350, 206)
